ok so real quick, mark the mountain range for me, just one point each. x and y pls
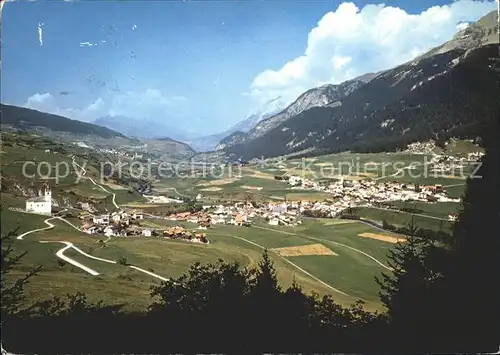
(277, 111)
(447, 91)
(268, 109)
(326, 95)
(72, 131)
(28, 119)
(454, 94)
(142, 128)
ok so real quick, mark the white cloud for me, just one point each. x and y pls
(151, 104)
(47, 103)
(352, 41)
(37, 99)
(462, 26)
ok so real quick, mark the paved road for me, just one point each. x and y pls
(377, 226)
(397, 172)
(178, 193)
(362, 220)
(69, 245)
(148, 272)
(50, 225)
(60, 254)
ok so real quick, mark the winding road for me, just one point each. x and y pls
(68, 245)
(60, 254)
(84, 172)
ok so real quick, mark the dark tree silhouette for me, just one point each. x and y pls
(12, 290)
(444, 295)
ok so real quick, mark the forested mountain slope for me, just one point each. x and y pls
(449, 94)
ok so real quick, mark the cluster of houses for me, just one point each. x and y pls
(119, 223)
(421, 147)
(241, 214)
(474, 156)
(181, 233)
(454, 165)
(345, 193)
(125, 224)
(238, 214)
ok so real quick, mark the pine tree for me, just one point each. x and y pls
(266, 279)
(473, 279)
(444, 295)
(12, 291)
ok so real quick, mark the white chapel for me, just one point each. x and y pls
(41, 204)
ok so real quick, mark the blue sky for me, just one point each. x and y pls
(202, 66)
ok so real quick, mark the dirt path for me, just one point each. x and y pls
(297, 267)
(83, 172)
(378, 262)
(412, 214)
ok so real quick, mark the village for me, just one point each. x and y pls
(343, 194)
(130, 223)
(367, 192)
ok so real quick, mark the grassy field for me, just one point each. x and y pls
(349, 271)
(351, 266)
(237, 182)
(30, 160)
(403, 219)
(438, 209)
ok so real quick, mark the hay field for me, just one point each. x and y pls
(310, 249)
(382, 237)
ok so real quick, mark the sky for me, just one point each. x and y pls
(202, 66)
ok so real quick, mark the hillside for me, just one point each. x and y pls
(374, 111)
(478, 34)
(141, 128)
(62, 129)
(450, 94)
(210, 142)
(28, 119)
(168, 149)
(67, 188)
(322, 96)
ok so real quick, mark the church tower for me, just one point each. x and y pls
(47, 194)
